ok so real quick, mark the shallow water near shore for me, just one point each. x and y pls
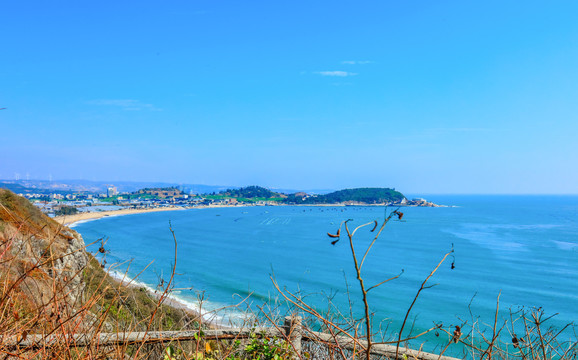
(524, 248)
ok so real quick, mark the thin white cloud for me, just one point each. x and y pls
(459, 129)
(356, 62)
(336, 73)
(341, 84)
(125, 104)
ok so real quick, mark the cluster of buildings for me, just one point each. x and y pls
(113, 200)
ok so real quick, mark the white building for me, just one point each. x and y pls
(111, 191)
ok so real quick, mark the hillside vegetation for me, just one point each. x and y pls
(359, 195)
(251, 192)
(50, 285)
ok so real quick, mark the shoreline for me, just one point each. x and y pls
(170, 299)
(68, 220)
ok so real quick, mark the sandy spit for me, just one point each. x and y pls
(68, 220)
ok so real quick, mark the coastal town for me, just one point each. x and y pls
(58, 202)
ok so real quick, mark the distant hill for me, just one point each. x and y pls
(359, 195)
(20, 188)
(14, 187)
(75, 186)
(251, 192)
(99, 187)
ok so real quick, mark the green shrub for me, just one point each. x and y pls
(66, 210)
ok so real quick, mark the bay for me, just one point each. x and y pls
(522, 248)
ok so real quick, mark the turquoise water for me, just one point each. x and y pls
(525, 247)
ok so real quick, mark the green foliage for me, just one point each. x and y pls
(66, 210)
(172, 354)
(361, 195)
(146, 196)
(267, 349)
(251, 192)
(41, 198)
(215, 197)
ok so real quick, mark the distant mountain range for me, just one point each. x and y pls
(69, 186)
(72, 186)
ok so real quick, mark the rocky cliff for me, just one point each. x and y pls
(41, 262)
(50, 286)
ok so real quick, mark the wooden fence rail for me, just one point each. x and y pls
(291, 330)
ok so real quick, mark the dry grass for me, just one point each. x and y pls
(51, 289)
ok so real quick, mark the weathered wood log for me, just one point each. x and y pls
(378, 349)
(35, 341)
(294, 333)
(292, 330)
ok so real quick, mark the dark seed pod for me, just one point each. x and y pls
(457, 334)
(374, 226)
(515, 341)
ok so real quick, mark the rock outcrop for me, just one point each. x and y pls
(40, 260)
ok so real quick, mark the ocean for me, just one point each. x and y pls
(523, 249)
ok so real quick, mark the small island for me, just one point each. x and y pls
(349, 197)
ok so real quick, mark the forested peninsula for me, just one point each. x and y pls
(357, 196)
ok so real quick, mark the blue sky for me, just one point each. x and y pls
(426, 97)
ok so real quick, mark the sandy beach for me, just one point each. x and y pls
(68, 220)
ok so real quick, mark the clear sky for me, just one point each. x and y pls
(423, 96)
